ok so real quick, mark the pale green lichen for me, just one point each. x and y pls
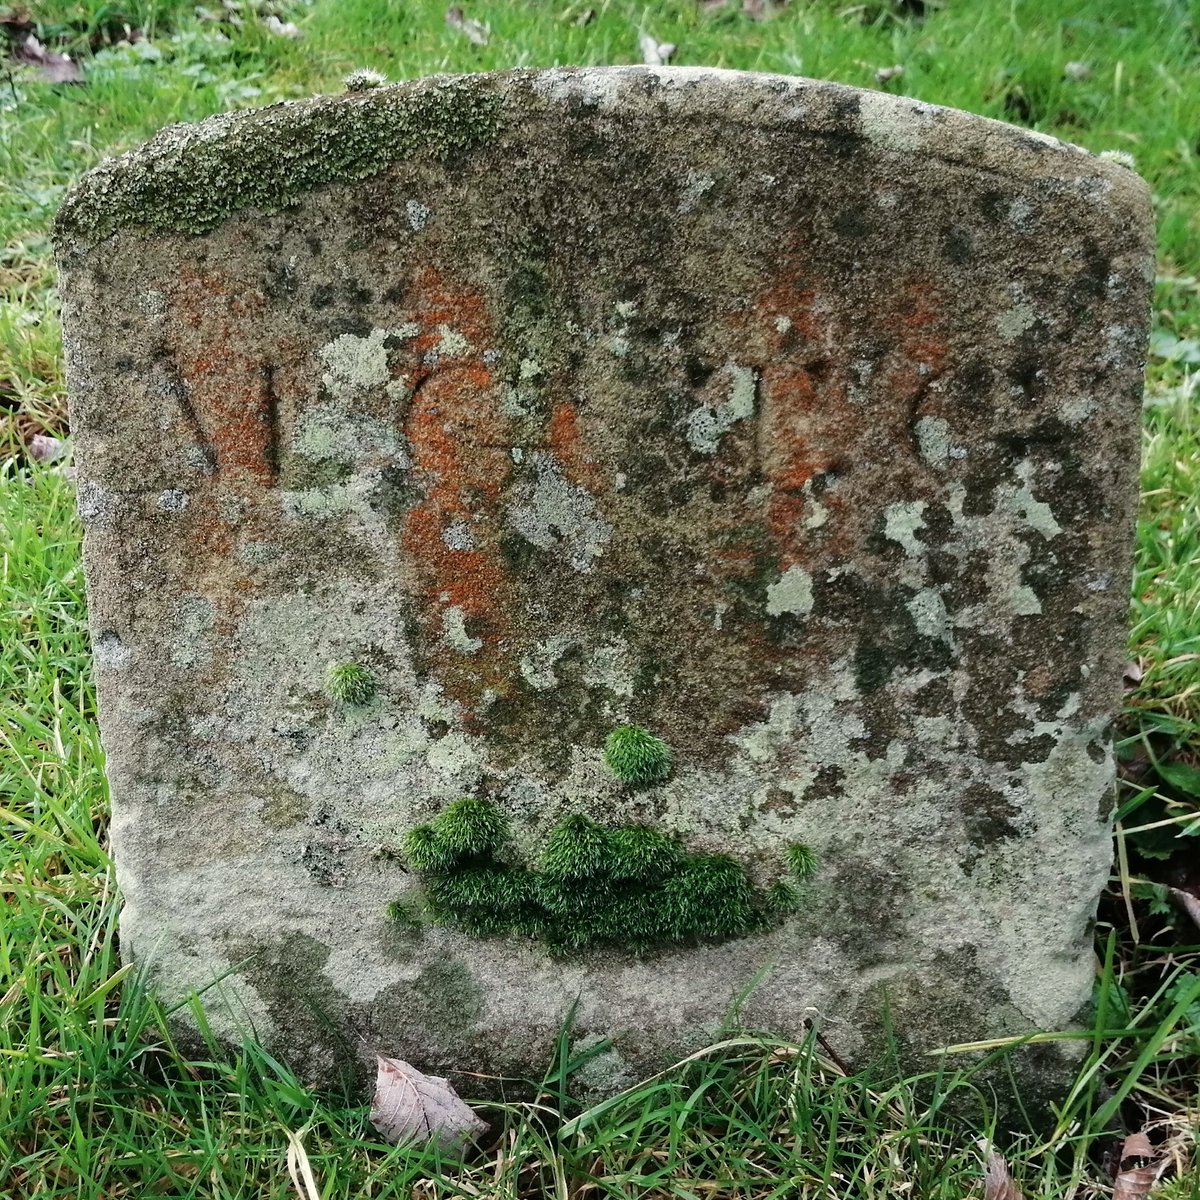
(894, 123)
(1017, 320)
(791, 593)
(1035, 513)
(354, 365)
(552, 511)
(189, 179)
(454, 631)
(902, 522)
(709, 423)
(928, 611)
(933, 436)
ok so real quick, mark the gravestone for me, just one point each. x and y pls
(706, 498)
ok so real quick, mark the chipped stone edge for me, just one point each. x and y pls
(189, 178)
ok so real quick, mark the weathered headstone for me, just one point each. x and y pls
(430, 434)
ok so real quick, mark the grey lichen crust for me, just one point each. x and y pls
(189, 178)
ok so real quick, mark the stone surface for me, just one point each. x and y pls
(794, 423)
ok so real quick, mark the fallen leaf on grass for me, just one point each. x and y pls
(46, 449)
(287, 29)
(411, 1107)
(48, 65)
(1141, 1168)
(474, 31)
(997, 1182)
(1186, 901)
(15, 23)
(654, 52)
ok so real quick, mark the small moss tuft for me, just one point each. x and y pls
(469, 828)
(642, 853)
(425, 851)
(636, 756)
(711, 897)
(783, 897)
(577, 849)
(802, 862)
(350, 683)
(363, 80)
(403, 914)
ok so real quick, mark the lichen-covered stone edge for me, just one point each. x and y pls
(190, 178)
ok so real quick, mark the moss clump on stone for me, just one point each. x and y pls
(639, 852)
(470, 828)
(188, 179)
(578, 849)
(784, 897)
(425, 851)
(350, 683)
(801, 861)
(403, 914)
(636, 756)
(363, 80)
(632, 888)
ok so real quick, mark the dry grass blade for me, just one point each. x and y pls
(300, 1169)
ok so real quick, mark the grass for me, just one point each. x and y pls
(96, 1099)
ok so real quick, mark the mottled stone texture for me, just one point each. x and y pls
(794, 423)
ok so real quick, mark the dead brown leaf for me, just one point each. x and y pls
(997, 1182)
(411, 1107)
(46, 449)
(474, 31)
(15, 23)
(48, 65)
(1189, 903)
(1141, 1167)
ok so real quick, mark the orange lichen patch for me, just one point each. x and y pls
(233, 404)
(919, 354)
(818, 421)
(229, 387)
(462, 462)
(565, 440)
(806, 419)
(440, 307)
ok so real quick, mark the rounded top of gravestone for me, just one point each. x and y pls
(190, 178)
